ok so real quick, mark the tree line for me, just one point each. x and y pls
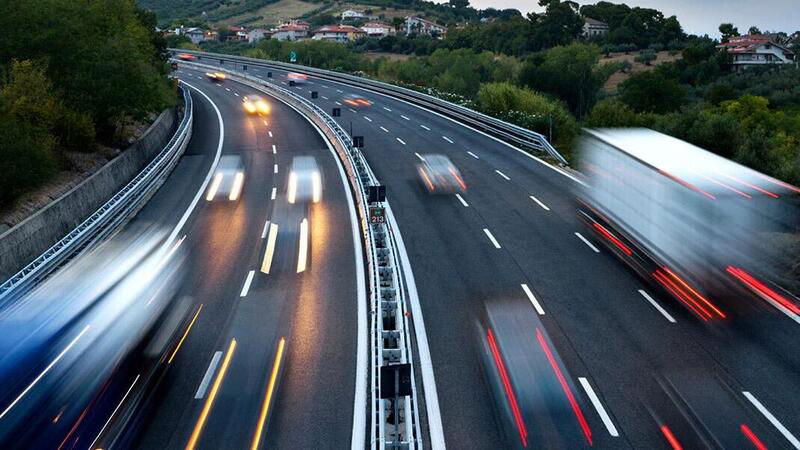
(71, 75)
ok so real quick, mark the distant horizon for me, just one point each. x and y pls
(695, 17)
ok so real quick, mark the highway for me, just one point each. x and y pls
(515, 226)
(267, 357)
(228, 244)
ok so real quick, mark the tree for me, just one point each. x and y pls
(568, 73)
(646, 57)
(728, 31)
(459, 4)
(560, 24)
(652, 92)
(754, 30)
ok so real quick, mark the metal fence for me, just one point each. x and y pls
(106, 219)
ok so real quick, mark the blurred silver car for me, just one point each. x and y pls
(228, 179)
(439, 175)
(305, 180)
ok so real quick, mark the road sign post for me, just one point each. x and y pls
(337, 112)
(358, 141)
(314, 94)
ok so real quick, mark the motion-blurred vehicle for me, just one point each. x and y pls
(537, 402)
(228, 179)
(254, 104)
(298, 78)
(71, 348)
(697, 409)
(356, 101)
(174, 65)
(696, 224)
(305, 180)
(439, 175)
(186, 56)
(216, 76)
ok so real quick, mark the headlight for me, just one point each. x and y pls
(250, 107)
(263, 107)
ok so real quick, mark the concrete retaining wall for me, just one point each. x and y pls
(31, 237)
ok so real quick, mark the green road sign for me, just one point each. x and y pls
(292, 57)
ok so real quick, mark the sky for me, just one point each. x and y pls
(697, 16)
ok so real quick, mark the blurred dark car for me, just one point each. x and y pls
(538, 405)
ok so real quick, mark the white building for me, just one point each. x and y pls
(196, 35)
(593, 27)
(257, 34)
(756, 50)
(338, 33)
(377, 29)
(290, 32)
(351, 14)
(418, 25)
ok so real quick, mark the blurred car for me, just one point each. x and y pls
(439, 175)
(356, 101)
(298, 78)
(174, 66)
(538, 404)
(254, 104)
(305, 180)
(73, 344)
(186, 57)
(228, 179)
(216, 76)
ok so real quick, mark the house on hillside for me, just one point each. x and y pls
(338, 33)
(237, 34)
(377, 29)
(594, 28)
(753, 50)
(352, 15)
(257, 34)
(196, 35)
(290, 32)
(418, 25)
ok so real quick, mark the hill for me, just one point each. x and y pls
(273, 12)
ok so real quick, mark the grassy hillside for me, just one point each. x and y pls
(265, 12)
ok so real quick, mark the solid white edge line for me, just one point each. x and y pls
(401, 141)
(775, 422)
(212, 367)
(435, 428)
(491, 238)
(657, 306)
(586, 241)
(113, 413)
(540, 203)
(461, 199)
(503, 175)
(211, 169)
(359, 435)
(44, 372)
(532, 298)
(274, 193)
(612, 430)
(246, 287)
(473, 155)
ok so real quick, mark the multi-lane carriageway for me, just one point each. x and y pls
(513, 236)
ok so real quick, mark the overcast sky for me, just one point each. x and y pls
(697, 16)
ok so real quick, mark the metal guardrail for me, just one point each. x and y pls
(106, 219)
(390, 341)
(505, 131)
